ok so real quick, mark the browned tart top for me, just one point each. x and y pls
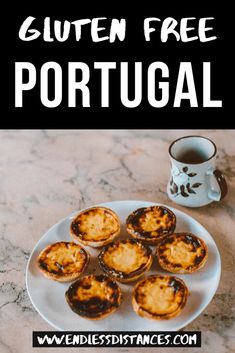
(151, 222)
(93, 296)
(95, 224)
(63, 258)
(161, 296)
(182, 251)
(125, 259)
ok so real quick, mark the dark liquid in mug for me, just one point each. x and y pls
(192, 157)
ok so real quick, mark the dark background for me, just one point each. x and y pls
(133, 48)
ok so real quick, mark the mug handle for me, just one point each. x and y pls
(219, 177)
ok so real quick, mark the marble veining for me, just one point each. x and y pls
(47, 174)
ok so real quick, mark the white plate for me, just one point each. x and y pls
(48, 297)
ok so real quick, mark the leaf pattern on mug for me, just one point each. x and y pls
(175, 188)
(196, 185)
(183, 190)
(191, 191)
(183, 193)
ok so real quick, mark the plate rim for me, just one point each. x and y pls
(190, 319)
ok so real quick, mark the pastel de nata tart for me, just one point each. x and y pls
(159, 297)
(63, 261)
(151, 224)
(182, 253)
(95, 226)
(94, 297)
(125, 260)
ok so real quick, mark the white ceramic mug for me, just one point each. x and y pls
(194, 179)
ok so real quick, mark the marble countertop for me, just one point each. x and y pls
(45, 175)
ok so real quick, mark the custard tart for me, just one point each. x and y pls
(151, 224)
(63, 261)
(182, 253)
(125, 260)
(94, 297)
(159, 297)
(95, 226)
